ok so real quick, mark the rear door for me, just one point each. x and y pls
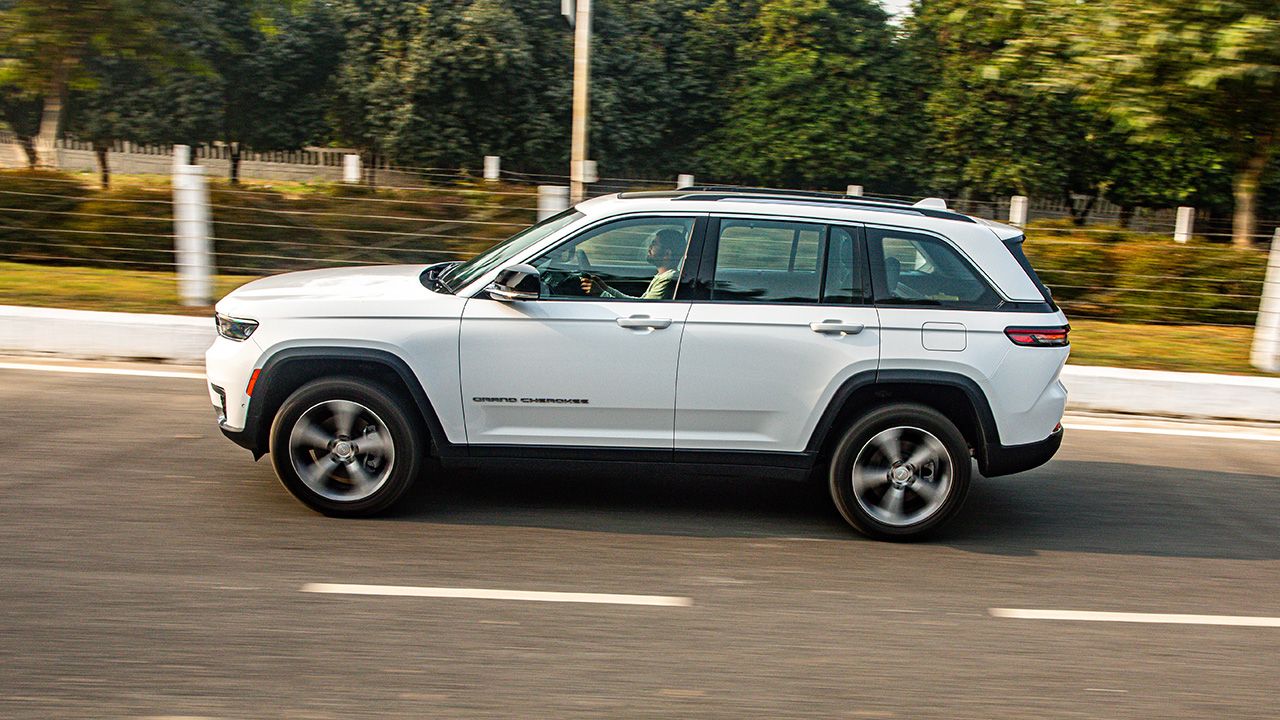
(782, 319)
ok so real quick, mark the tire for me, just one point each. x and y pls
(912, 472)
(346, 447)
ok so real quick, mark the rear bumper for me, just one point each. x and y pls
(1008, 459)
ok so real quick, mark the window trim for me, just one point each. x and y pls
(705, 281)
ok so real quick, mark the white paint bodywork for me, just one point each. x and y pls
(722, 376)
(514, 355)
(756, 377)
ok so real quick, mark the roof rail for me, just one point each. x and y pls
(730, 192)
(817, 194)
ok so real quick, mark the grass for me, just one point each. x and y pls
(83, 288)
(1189, 348)
(1196, 348)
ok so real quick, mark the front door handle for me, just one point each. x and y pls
(836, 326)
(640, 322)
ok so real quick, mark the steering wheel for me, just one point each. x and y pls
(563, 278)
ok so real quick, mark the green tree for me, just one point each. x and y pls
(372, 89)
(270, 63)
(1173, 71)
(814, 102)
(20, 112)
(46, 45)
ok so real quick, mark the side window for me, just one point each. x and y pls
(916, 269)
(768, 261)
(845, 282)
(635, 259)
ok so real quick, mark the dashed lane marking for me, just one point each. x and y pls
(1132, 617)
(492, 594)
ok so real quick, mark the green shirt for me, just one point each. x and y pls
(661, 287)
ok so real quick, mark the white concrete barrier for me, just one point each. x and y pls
(88, 334)
(173, 338)
(1178, 394)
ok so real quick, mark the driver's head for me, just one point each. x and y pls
(666, 246)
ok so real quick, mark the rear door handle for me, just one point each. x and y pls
(639, 322)
(836, 326)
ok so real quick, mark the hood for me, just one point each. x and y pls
(332, 291)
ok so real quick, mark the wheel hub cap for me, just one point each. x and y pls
(901, 476)
(343, 450)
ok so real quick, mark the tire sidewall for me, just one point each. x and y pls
(855, 438)
(405, 433)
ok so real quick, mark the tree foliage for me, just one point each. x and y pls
(1142, 102)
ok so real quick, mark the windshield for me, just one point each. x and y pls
(461, 275)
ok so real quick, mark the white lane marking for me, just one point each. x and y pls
(101, 370)
(1219, 434)
(489, 594)
(1131, 617)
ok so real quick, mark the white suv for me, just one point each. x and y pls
(875, 344)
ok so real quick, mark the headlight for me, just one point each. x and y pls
(235, 328)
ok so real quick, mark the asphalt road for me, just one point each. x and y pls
(149, 568)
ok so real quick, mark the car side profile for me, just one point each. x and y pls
(883, 347)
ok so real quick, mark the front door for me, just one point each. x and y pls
(592, 362)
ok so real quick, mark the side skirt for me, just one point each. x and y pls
(788, 466)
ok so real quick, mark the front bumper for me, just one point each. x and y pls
(1009, 459)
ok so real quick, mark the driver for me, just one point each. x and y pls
(664, 253)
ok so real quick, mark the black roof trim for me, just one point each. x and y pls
(712, 193)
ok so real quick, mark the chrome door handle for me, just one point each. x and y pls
(636, 322)
(835, 326)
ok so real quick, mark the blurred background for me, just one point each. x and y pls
(149, 569)
(1096, 121)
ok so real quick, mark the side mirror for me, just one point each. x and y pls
(518, 282)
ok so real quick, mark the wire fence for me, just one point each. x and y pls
(259, 229)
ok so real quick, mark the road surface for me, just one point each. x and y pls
(148, 568)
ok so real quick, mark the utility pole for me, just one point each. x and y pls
(581, 79)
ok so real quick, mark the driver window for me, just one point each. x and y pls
(636, 259)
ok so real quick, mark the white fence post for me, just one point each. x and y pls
(492, 168)
(684, 180)
(181, 156)
(853, 191)
(192, 235)
(1018, 210)
(1184, 224)
(551, 200)
(1265, 354)
(351, 168)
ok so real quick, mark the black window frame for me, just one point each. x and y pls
(701, 287)
(882, 298)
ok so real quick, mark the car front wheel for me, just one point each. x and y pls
(345, 447)
(900, 472)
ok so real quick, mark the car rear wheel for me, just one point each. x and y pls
(346, 447)
(900, 472)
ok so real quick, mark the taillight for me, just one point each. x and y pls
(1039, 337)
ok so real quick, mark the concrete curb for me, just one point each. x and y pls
(104, 335)
(1178, 394)
(173, 338)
